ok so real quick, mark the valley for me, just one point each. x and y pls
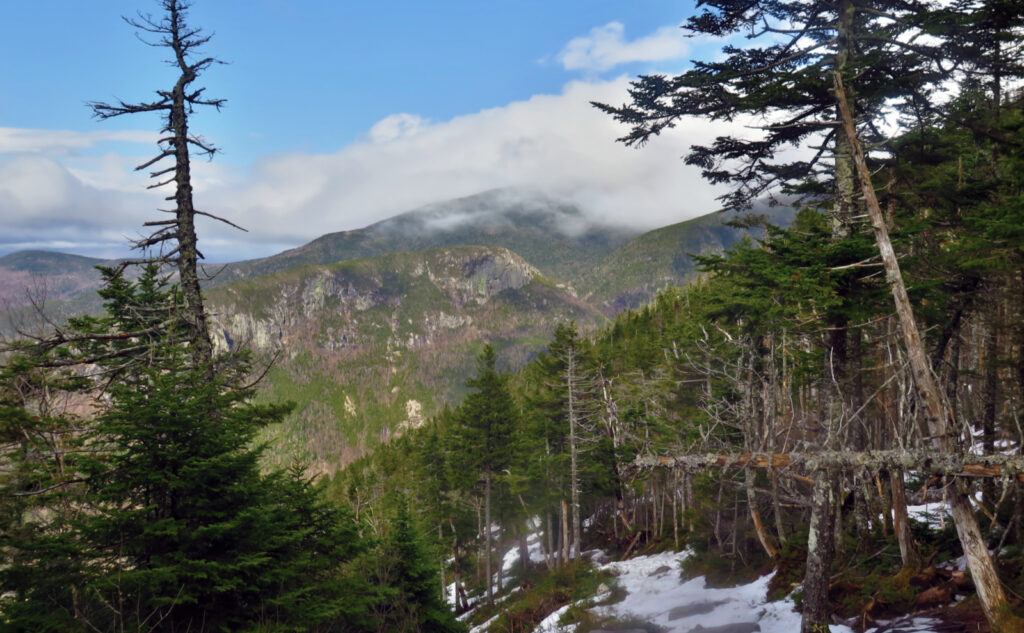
(372, 331)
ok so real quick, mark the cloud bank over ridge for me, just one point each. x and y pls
(56, 186)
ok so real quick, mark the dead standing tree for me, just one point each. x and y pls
(939, 417)
(173, 32)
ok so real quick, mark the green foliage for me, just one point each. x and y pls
(783, 75)
(165, 521)
(393, 327)
(407, 569)
(635, 273)
(485, 421)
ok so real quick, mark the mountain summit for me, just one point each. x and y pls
(554, 235)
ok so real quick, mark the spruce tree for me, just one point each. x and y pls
(41, 496)
(161, 519)
(413, 602)
(486, 421)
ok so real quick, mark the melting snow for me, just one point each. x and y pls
(655, 595)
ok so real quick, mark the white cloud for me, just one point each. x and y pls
(606, 47)
(554, 143)
(43, 205)
(22, 141)
(395, 126)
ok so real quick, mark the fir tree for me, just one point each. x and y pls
(41, 495)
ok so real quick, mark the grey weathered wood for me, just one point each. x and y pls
(928, 462)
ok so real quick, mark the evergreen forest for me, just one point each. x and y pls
(780, 414)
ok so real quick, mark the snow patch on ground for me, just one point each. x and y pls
(550, 623)
(656, 595)
(512, 556)
(483, 627)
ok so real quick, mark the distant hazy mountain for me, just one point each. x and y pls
(553, 235)
(29, 276)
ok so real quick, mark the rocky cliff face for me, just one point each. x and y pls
(376, 346)
(462, 278)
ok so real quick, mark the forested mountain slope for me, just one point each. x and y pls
(404, 348)
(634, 273)
(369, 348)
(615, 266)
(728, 365)
(46, 276)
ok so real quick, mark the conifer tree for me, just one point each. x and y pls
(575, 386)
(787, 82)
(41, 496)
(172, 527)
(486, 420)
(412, 600)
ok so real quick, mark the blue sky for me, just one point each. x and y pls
(338, 114)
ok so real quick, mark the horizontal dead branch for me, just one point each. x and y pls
(966, 465)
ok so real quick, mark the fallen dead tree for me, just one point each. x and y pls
(960, 465)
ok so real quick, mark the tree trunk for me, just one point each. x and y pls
(718, 516)
(551, 555)
(480, 538)
(613, 430)
(901, 526)
(675, 510)
(949, 464)
(759, 528)
(524, 550)
(820, 549)
(188, 253)
(885, 499)
(688, 486)
(487, 537)
(461, 602)
(780, 529)
(990, 393)
(565, 533)
(570, 376)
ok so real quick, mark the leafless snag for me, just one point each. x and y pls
(177, 142)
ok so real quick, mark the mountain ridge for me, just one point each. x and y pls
(554, 235)
(369, 345)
